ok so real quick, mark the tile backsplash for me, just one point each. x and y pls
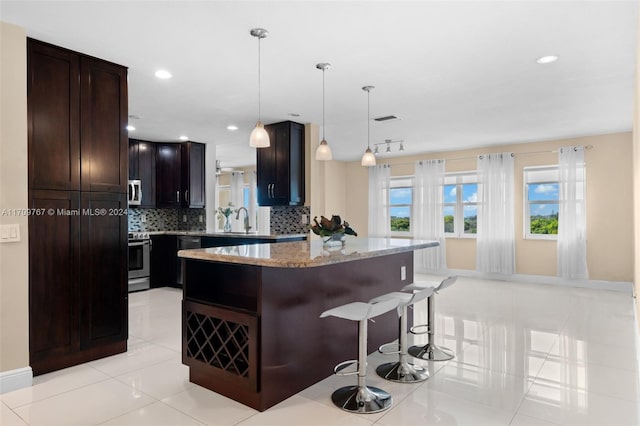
(147, 220)
(288, 219)
(283, 220)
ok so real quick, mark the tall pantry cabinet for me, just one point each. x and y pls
(78, 154)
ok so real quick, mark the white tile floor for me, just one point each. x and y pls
(526, 355)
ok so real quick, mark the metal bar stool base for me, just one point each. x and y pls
(402, 372)
(364, 400)
(430, 352)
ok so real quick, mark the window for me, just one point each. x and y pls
(541, 204)
(400, 200)
(460, 204)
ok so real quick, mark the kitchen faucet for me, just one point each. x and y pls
(246, 218)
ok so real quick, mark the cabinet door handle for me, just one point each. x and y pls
(177, 196)
(186, 196)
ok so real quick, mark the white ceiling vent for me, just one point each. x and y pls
(386, 118)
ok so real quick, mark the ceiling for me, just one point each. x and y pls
(457, 74)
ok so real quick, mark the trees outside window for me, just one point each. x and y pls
(460, 204)
(541, 202)
(400, 201)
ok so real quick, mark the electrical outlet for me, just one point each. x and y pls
(200, 218)
(184, 217)
(143, 218)
(403, 273)
(305, 219)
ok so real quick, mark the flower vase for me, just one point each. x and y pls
(335, 241)
(227, 224)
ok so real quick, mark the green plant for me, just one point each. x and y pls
(225, 211)
(327, 227)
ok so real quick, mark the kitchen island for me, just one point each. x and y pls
(250, 318)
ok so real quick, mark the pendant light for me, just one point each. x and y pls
(323, 153)
(368, 159)
(259, 137)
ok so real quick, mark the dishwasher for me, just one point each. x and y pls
(185, 242)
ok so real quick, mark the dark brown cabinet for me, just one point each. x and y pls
(180, 172)
(78, 163)
(53, 116)
(168, 175)
(193, 174)
(280, 167)
(53, 279)
(103, 113)
(142, 166)
(163, 260)
(103, 268)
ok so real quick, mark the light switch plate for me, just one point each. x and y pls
(10, 233)
(403, 273)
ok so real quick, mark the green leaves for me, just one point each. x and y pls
(327, 227)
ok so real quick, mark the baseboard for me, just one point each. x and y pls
(620, 286)
(15, 379)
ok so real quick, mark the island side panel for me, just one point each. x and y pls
(298, 348)
(220, 328)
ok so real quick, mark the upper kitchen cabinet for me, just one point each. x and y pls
(77, 115)
(180, 173)
(193, 174)
(142, 166)
(280, 167)
(103, 120)
(168, 174)
(53, 111)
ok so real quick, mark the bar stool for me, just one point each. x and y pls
(360, 398)
(430, 351)
(401, 371)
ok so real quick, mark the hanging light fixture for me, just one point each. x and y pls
(323, 153)
(259, 137)
(368, 159)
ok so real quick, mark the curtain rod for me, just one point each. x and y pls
(514, 154)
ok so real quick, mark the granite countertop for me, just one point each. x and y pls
(305, 254)
(279, 237)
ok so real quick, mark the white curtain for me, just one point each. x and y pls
(237, 198)
(495, 252)
(572, 220)
(427, 220)
(379, 181)
(253, 200)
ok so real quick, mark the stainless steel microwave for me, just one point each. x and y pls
(135, 192)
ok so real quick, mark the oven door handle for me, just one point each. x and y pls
(138, 244)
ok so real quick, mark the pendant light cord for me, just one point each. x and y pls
(368, 120)
(259, 115)
(323, 131)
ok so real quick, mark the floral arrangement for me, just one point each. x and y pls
(225, 211)
(328, 227)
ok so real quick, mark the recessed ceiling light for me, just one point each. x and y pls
(547, 59)
(130, 128)
(184, 138)
(163, 74)
(232, 127)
